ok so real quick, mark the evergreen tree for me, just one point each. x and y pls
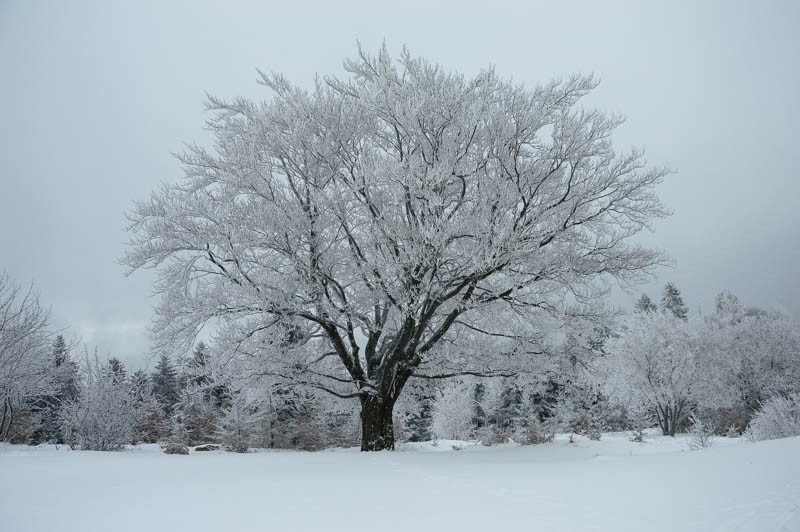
(419, 421)
(67, 386)
(478, 411)
(506, 415)
(644, 305)
(140, 383)
(236, 428)
(116, 370)
(216, 394)
(672, 302)
(149, 424)
(64, 375)
(165, 385)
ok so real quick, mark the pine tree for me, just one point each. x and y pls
(672, 302)
(644, 305)
(478, 411)
(236, 428)
(165, 385)
(149, 425)
(117, 370)
(506, 415)
(217, 395)
(419, 421)
(65, 385)
(141, 385)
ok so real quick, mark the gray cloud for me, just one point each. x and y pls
(97, 94)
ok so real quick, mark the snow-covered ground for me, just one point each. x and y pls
(610, 485)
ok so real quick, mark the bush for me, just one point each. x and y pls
(101, 418)
(641, 419)
(175, 448)
(537, 433)
(779, 417)
(701, 433)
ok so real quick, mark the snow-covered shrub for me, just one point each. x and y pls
(750, 355)
(453, 411)
(537, 433)
(494, 435)
(101, 418)
(174, 447)
(641, 419)
(779, 417)
(149, 425)
(236, 428)
(701, 433)
(654, 366)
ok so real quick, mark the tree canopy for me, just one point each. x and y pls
(405, 221)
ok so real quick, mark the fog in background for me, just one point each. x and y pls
(96, 95)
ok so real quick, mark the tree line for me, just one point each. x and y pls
(658, 366)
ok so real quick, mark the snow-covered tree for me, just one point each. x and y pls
(65, 381)
(394, 219)
(102, 417)
(672, 302)
(779, 417)
(116, 369)
(165, 384)
(751, 355)
(645, 305)
(236, 426)
(453, 413)
(654, 364)
(25, 365)
(419, 414)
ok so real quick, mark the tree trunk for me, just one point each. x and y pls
(8, 419)
(377, 427)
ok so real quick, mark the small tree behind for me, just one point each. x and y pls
(672, 302)
(645, 305)
(165, 385)
(654, 364)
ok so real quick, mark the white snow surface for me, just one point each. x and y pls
(610, 485)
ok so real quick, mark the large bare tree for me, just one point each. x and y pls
(391, 220)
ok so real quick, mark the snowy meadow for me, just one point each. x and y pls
(611, 484)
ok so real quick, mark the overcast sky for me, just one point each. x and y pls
(96, 95)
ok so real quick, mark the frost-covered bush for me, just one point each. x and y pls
(452, 416)
(173, 447)
(102, 417)
(538, 432)
(701, 433)
(641, 419)
(779, 417)
(654, 367)
(236, 428)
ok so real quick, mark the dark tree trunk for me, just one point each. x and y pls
(669, 418)
(377, 427)
(7, 420)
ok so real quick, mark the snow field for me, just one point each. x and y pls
(610, 485)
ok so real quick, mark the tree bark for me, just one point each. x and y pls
(377, 427)
(7, 420)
